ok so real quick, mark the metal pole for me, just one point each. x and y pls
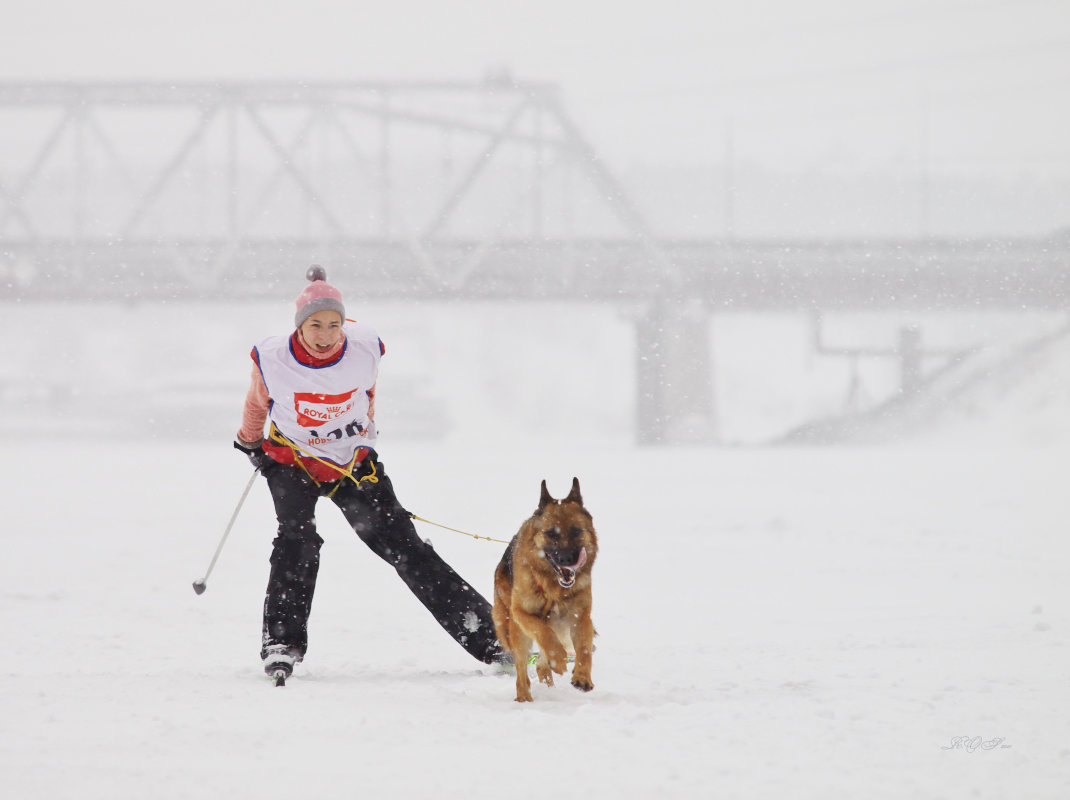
(202, 584)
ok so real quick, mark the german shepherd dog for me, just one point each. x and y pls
(542, 591)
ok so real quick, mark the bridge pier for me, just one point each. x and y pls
(910, 359)
(674, 374)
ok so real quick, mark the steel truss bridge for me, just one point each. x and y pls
(435, 190)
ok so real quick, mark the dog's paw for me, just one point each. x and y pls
(524, 697)
(581, 679)
(545, 676)
(558, 661)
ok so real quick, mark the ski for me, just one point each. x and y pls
(279, 677)
(534, 657)
(532, 660)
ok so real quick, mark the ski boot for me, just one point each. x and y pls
(279, 662)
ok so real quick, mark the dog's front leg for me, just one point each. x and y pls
(550, 646)
(521, 649)
(583, 641)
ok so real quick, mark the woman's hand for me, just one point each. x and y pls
(253, 450)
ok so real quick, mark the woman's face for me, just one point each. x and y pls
(322, 331)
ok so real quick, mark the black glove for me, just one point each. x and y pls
(255, 452)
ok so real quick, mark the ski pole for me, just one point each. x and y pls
(202, 584)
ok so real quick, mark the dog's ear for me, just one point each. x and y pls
(544, 498)
(574, 496)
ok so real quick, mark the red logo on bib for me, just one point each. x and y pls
(317, 409)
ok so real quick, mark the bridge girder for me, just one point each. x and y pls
(760, 275)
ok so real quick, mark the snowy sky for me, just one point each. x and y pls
(831, 82)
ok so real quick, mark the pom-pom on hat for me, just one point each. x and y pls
(318, 296)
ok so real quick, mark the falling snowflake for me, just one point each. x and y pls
(471, 621)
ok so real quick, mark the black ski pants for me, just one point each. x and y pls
(380, 521)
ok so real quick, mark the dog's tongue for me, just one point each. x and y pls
(581, 560)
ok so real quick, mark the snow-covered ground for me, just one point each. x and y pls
(774, 622)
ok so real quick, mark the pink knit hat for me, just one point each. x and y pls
(318, 296)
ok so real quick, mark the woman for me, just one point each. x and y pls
(317, 387)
